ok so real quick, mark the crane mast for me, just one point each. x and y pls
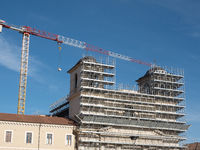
(23, 73)
(27, 31)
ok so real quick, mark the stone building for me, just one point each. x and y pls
(111, 116)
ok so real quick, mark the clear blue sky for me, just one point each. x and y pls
(165, 30)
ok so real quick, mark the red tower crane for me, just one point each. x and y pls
(26, 31)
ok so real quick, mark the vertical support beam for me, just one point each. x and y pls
(23, 74)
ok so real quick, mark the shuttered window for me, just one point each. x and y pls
(68, 139)
(28, 137)
(8, 136)
(49, 138)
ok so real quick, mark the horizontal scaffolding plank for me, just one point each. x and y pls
(137, 123)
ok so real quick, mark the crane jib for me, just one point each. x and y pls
(5, 26)
(41, 33)
(72, 42)
(95, 49)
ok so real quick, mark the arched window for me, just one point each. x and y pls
(76, 80)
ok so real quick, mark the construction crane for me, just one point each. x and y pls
(27, 31)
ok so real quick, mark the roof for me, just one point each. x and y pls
(88, 58)
(36, 119)
(194, 146)
(150, 71)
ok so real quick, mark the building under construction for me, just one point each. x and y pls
(113, 116)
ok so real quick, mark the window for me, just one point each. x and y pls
(8, 136)
(76, 80)
(68, 139)
(28, 137)
(49, 138)
(128, 106)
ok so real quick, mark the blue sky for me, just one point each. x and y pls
(165, 30)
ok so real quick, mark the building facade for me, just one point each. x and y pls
(116, 117)
(27, 132)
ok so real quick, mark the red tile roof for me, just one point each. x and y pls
(36, 119)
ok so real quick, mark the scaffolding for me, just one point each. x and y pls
(60, 108)
(150, 115)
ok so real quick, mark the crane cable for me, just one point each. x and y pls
(59, 69)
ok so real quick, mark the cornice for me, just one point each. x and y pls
(10, 123)
(78, 93)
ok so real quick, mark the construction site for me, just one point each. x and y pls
(106, 115)
(111, 116)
